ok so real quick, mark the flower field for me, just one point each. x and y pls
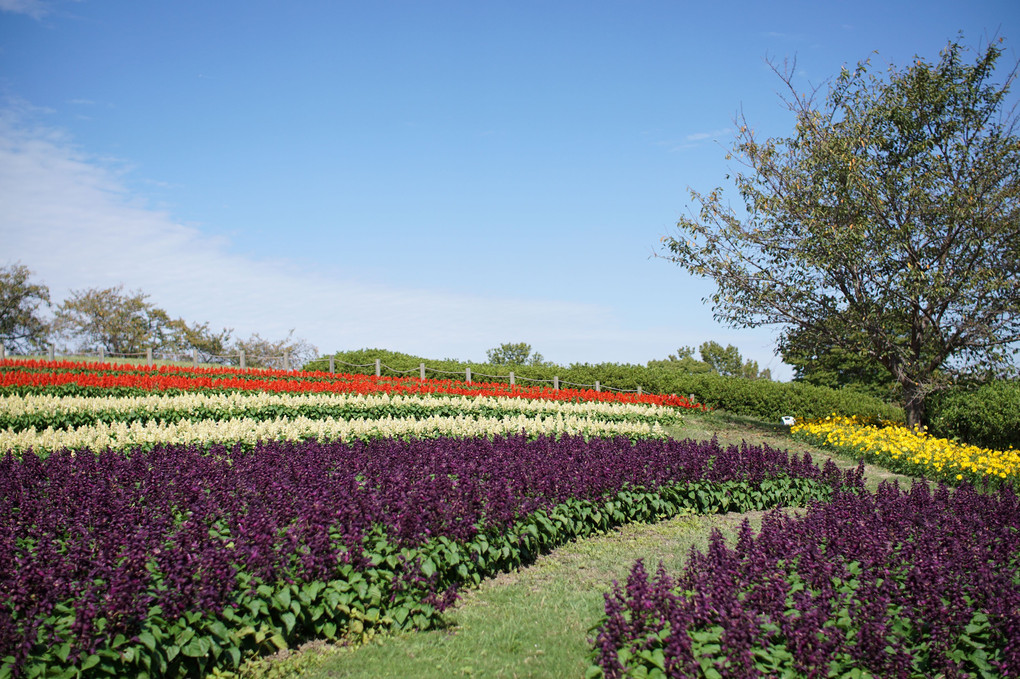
(897, 584)
(44, 423)
(92, 379)
(173, 522)
(915, 453)
(168, 522)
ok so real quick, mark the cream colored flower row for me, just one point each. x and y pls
(238, 403)
(121, 436)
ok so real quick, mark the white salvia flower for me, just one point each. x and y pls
(120, 435)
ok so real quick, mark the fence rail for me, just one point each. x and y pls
(379, 366)
(150, 356)
(511, 377)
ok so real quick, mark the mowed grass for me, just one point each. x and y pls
(537, 622)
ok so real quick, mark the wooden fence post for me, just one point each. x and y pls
(194, 358)
(53, 350)
(467, 375)
(378, 367)
(148, 355)
(556, 382)
(421, 371)
(242, 359)
(598, 387)
(639, 390)
(286, 361)
(332, 365)
(511, 378)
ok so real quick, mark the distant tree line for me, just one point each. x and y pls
(715, 359)
(120, 322)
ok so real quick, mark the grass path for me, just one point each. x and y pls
(536, 622)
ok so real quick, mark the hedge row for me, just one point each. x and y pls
(763, 399)
(986, 416)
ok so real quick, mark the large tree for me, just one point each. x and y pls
(127, 323)
(22, 328)
(109, 318)
(888, 224)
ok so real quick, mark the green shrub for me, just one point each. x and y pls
(986, 416)
(755, 398)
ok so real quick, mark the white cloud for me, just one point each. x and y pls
(69, 218)
(701, 136)
(33, 8)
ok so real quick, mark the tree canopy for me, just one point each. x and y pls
(109, 318)
(22, 328)
(887, 225)
(715, 359)
(127, 323)
(514, 353)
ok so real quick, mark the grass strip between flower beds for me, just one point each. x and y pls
(400, 577)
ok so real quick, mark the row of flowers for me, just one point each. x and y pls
(176, 560)
(19, 376)
(247, 431)
(916, 453)
(41, 411)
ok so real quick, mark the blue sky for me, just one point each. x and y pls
(429, 177)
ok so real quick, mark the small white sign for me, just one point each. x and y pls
(788, 421)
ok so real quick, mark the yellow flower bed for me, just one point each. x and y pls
(913, 452)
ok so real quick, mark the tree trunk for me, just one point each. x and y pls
(913, 404)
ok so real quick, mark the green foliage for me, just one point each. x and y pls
(887, 224)
(514, 354)
(761, 398)
(111, 319)
(821, 363)
(269, 617)
(772, 400)
(729, 363)
(683, 361)
(986, 416)
(127, 323)
(21, 327)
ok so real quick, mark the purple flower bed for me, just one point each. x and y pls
(172, 560)
(897, 584)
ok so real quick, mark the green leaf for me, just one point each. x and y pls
(196, 648)
(90, 662)
(147, 640)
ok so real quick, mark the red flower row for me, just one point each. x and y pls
(151, 378)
